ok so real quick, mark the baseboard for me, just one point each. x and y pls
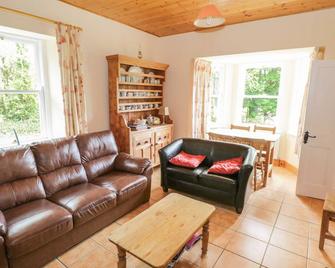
(285, 164)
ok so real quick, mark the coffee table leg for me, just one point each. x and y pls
(205, 236)
(122, 258)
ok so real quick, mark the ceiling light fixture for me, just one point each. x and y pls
(209, 16)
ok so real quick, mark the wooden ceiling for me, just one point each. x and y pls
(168, 17)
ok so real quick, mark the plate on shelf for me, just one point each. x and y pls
(136, 70)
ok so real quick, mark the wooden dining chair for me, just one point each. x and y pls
(264, 128)
(261, 155)
(240, 127)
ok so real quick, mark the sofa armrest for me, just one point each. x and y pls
(244, 176)
(128, 163)
(3, 255)
(165, 154)
(3, 225)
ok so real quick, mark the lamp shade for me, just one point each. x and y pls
(164, 111)
(208, 17)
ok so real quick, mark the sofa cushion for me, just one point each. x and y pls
(59, 164)
(98, 152)
(19, 182)
(184, 159)
(226, 167)
(185, 174)
(227, 183)
(126, 185)
(33, 225)
(85, 201)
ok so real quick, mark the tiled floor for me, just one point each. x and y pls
(276, 229)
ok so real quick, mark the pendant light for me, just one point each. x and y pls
(209, 16)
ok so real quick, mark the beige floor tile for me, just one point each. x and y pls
(290, 242)
(292, 225)
(314, 264)
(279, 258)
(219, 235)
(314, 233)
(265, 203)
(296, 200)
(326, 256)
(255, 229)
(270, 194)
(54, 264)
(158, 194)
(247, 247)
(226, 218)
(231, 260)
(102, 237)
(261, 215)
(300, 213)
(97, 258)
(78, 252)
(194, 255)
(182, 263)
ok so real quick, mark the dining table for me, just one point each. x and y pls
(264, 142)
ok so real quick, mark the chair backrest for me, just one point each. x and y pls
(246, 128)
(265, 128)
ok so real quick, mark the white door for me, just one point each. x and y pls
(317, 159)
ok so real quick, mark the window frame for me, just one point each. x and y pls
(40, 61)
(240, 96)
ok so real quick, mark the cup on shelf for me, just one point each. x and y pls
(130, 94)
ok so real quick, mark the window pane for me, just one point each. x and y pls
(262, 81)
(19, 112)
(17, 65)
(259, 110)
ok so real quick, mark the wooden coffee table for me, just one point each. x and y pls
(157, 234)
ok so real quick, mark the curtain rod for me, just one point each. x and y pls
(36, 17)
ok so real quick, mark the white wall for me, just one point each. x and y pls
(296, 31)
(100, 37)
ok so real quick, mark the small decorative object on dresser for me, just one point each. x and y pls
(135, 92)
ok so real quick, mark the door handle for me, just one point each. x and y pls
(307, 136)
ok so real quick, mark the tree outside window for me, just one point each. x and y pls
(20, 96)
(261, 95)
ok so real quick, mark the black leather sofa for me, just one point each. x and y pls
(229, 189)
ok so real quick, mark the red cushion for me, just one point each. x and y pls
(225, 167)
(187, 160)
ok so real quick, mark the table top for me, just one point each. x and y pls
(329, 204)
(157, 234)
(246, 134)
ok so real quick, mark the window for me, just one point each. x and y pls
(22, 102)
(261, 91)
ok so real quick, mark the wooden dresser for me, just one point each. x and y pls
(136, 95)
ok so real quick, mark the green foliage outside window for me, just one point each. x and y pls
(261, 90)
(18, 111)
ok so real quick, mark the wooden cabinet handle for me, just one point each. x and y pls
(138, 144)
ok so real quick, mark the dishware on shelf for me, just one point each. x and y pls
(136, 70)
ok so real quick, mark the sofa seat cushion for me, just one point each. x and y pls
(34, 224)
(226, 183)
(126, 185)
(185, 174)
(85, 201)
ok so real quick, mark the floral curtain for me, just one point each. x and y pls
(72, 79)
(318, 54)
(201, 86)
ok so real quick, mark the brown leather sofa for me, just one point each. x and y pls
(56, 193)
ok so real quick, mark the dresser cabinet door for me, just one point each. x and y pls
(162, 138)
(142, 145)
